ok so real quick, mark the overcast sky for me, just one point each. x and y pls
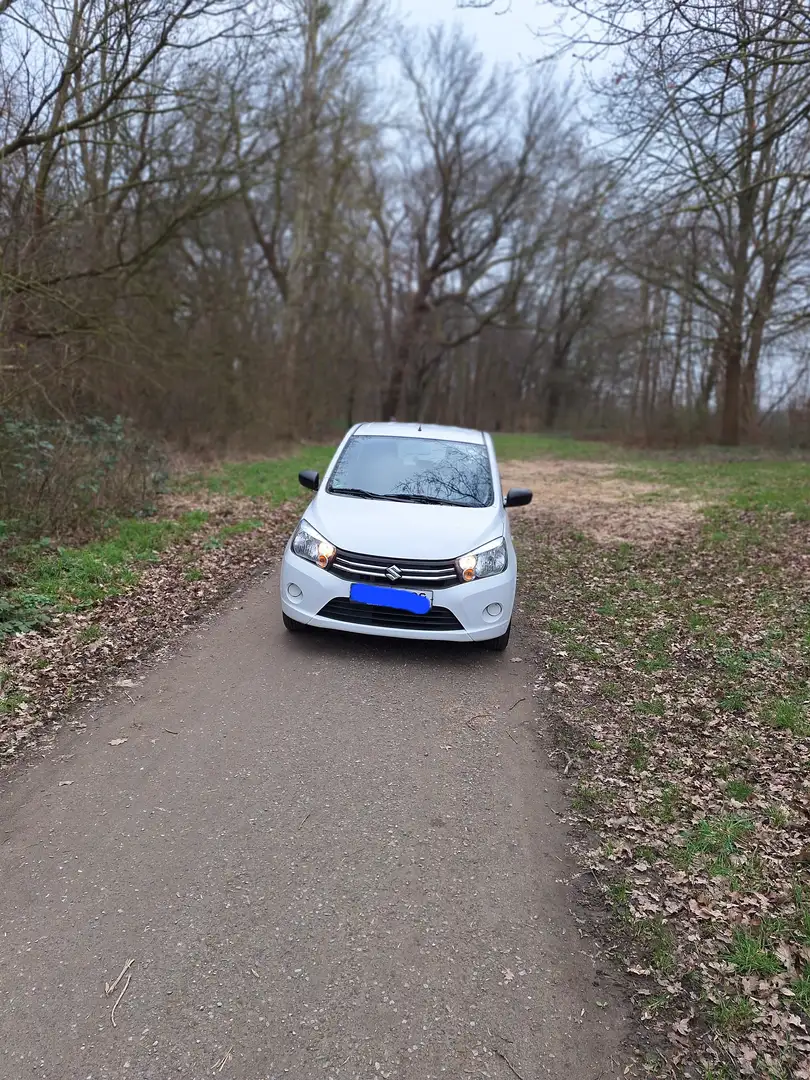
(507, 37)
(506, 32)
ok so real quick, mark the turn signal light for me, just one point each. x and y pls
(467, 566)
(326, 552)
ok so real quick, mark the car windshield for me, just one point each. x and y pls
(407, 469)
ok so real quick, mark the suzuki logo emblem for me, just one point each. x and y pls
(393, 573)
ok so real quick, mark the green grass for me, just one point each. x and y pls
(240, 527)
(790, 713)
(9, 703)
(801, 988)
(638, 747)
(668, 803)
(524, 447)
(659, 942)
(776, 816)
(718, 839)
(612, 690)
(739, 790)
(734, 701)
(747, 483)
(734, 1014)
(801, 898)
(73, 578)
(750, 956)
(619, 893)
(586, 797)
(275, 479)
(653, 935)
(654, 707)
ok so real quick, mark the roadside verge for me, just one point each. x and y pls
(671, 605)
(114, 601)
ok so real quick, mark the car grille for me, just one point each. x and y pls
(413, 573)
(345, 610)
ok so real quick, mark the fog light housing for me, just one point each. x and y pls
(294, 592)
(493, 610)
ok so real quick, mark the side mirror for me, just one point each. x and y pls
(308, 478)
(517, 497)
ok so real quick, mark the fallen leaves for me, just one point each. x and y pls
(677, 677)
(46, 673)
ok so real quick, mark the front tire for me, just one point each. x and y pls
(292, 625)
(498, 644)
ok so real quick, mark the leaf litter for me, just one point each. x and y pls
(676, 673)
(46, 673)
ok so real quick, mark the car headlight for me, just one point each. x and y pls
(486, 561)
(308, 544)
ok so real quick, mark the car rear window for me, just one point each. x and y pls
(411, 469)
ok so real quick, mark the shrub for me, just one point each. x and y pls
(59, 477)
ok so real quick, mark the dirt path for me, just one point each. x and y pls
(327, 857)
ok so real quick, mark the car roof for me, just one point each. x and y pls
(422, 431)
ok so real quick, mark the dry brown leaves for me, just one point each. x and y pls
(665, 664)
(590, 497)
(56, 669)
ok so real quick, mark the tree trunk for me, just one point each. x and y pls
(396, 378)
(732, 387)
(748, 399)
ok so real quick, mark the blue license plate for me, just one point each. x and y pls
(380, 596)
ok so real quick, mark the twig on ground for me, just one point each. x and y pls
(109, 987)
(516, 703)
(478, 716)
(503, 1057)
(569, 761)
(223, 1061)
(118, 999)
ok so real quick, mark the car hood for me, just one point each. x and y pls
(403, 530)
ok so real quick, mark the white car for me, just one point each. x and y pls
(407, 537)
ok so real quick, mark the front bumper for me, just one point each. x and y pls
(467, 602)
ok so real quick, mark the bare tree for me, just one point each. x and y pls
(472, 191)
(316, 110)
(709, 95)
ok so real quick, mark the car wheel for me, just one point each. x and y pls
(292, 624)
(498, 644)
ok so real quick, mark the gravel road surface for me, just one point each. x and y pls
(327, 857)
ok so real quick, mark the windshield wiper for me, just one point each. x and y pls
(392, 496)
(429, 499)
(356, 493)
